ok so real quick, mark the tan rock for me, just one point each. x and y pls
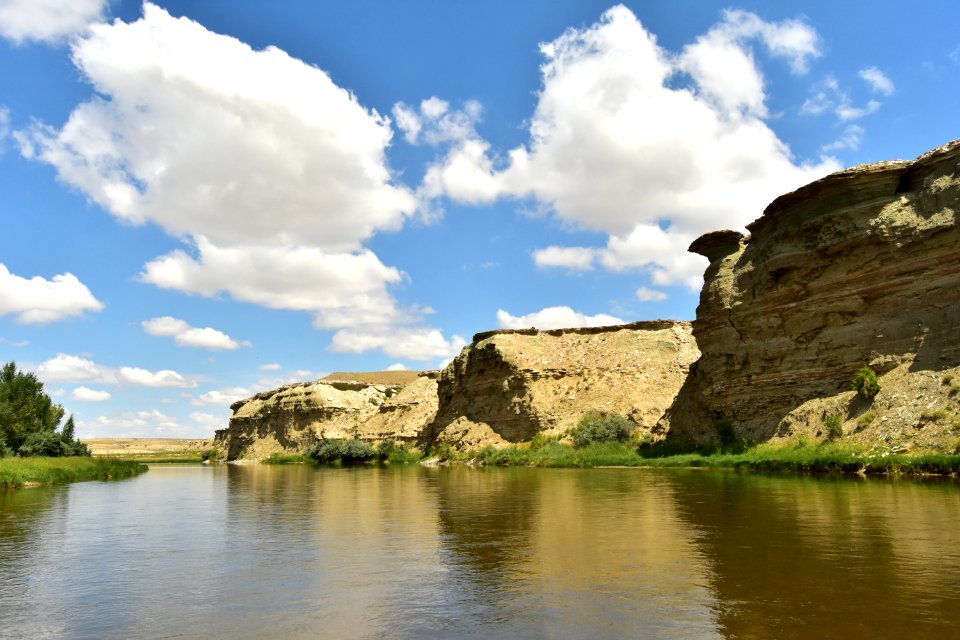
(861, 267)
(507, 386)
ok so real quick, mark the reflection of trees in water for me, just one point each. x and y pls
(803, 558)
(26, 518)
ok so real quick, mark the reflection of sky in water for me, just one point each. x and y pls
(413, 552)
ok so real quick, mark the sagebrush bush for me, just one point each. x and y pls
(599, 426)
(865, 383)
(834, 425)
(342, 451)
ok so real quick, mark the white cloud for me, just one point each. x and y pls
(576, 258)
(340, 289)
(850, 139)
(137, 424)
(222, 397)
(70, 368)
(186, 336)
(398, 366)
(406, 343)
(38, 301)
(14, 343)
(272, 174)
(157, 379)
(829, 96)
(270, 367)
(435, 123)
(85, 394)
(48, 20)
(555, 318)
(627, 137)
(650, 295)
(208, 420)
(877, 80)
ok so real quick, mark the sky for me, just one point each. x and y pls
(201, 201)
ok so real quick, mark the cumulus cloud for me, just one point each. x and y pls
(48, 20)
(164, 378)
(435, 123)
(554, 318)
(138, 424)
(71, 368)
(575, 258)
(850, 139)
(828, 96)
(409, 343)
(222, 397)
(397, 366)
(878, 80)
(38, 300)
(651, 147)
(85, 394)
(645, 294)
(273, 366)
(186, 336)
(271, 174)
(207, 420)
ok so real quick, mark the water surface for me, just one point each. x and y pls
(413, 552)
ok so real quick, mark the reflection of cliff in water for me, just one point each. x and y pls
(807, 558)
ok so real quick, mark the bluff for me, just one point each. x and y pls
(507, 386)
(861, 268)
(371, 406)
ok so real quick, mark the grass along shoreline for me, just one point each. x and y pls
(830, 458)
(20, 472)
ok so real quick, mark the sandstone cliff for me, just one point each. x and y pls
(373, 406)
(859, 268)
(508, 386)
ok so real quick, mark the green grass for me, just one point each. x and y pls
(829, 458)
(17, 472)
(286, 458)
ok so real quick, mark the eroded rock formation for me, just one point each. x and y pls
(507, 386)
(371, 406)
(859, 268)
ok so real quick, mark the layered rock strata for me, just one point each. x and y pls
(508, 386)
(859, 268)
(372, 406)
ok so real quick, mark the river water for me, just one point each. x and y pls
(414, 552)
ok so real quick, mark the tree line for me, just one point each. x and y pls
(29, 419)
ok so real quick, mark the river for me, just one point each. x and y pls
(414, 552)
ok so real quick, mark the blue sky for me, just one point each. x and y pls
(205, 200)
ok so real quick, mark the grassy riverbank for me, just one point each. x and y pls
(18, 472)
(835, 458)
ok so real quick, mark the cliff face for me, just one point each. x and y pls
(371, 406)
(507, 386)
(859, 268)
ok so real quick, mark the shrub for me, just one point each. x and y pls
(866, 419)
(865, 383)
(834, 425)
(342, 451)
(541, 440)
(598, 426)
(725, 433)
(212, 455)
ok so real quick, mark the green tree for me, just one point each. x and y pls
(29, 418)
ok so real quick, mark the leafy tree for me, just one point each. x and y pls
(865, 383)
(29, 418)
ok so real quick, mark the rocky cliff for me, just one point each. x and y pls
(508, 386)
(372, 406)
(859, 268)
